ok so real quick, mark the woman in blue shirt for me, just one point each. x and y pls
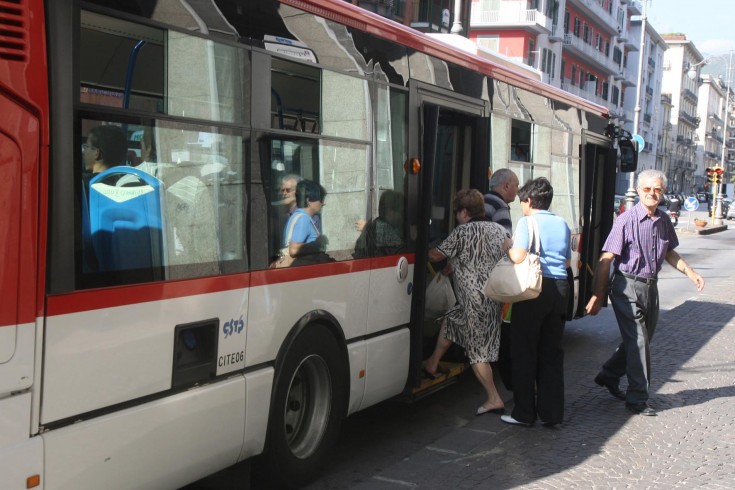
(537, 325)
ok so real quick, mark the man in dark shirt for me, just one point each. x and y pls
(503, 190)
(639, 242)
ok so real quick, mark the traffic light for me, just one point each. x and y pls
(710, 175)
(718, 175)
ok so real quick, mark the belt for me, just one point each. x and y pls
(646, 280)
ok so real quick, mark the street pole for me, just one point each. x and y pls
(721, 194)
(631, 193)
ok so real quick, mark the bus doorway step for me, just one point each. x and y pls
(449, 375)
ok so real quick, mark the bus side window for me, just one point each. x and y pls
(384, 234)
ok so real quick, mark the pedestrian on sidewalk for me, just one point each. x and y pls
(537, 325)
(637, 246)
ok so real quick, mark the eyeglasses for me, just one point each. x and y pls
(86, 146)
(656, 190)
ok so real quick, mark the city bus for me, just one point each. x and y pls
(153, 155)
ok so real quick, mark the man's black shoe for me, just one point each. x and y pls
(641, 409)
(611, 387)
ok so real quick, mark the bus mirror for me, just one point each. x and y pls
(628, 155)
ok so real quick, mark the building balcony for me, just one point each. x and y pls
(692, 120)
(621, 74)
(598, 15)
(557, 34)
(512, 15)
(690, 95)
(715, 135)
(649, 91)
(582, 92)
(634, 7)
(647, 118)
(666, 99)
(627, 82)
(588, 53)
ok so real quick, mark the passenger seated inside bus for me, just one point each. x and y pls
(519, 153)
(302, 241)
(383, 235)
(147, 161)
(106, 147)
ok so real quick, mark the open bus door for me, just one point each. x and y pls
(598, 178)
(454, 155)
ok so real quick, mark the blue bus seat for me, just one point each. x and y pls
(126, 223)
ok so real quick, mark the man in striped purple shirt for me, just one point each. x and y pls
(639, 242)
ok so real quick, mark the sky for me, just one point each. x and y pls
(709, 23)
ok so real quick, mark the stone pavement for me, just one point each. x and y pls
(600, 444)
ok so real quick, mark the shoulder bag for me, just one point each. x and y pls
(510, 282)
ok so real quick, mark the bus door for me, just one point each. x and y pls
(597, 196)
(454, 142)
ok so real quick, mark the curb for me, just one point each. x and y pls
(709, 231)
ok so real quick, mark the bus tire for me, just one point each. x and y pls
(308, 407)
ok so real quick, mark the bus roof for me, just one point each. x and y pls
(353, 16)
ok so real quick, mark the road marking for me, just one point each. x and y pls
(397, 482)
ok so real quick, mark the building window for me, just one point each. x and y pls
(531, 53)
(489, 42)
(617, 56)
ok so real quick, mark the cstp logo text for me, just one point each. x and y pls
(233, 326)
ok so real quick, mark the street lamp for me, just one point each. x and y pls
(692, 74)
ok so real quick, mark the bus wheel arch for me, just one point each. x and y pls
(309, 401)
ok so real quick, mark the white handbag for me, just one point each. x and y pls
(510, 282)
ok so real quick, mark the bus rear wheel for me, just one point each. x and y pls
(308, 407)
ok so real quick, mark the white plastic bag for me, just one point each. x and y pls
(439, 296)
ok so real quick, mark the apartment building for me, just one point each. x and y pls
(581, 46)
(710, 134)
(730, 135)
(653, 114)
(681, 55)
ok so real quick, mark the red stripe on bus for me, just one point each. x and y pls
(79, 301)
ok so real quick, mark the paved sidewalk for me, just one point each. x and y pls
(600, 444)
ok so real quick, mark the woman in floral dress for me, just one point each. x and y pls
(475, 246)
